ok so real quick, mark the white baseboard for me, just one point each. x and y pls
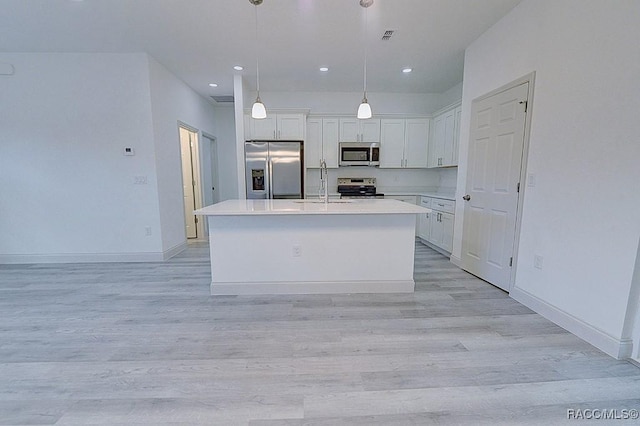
(15, 259)
(168, 254)
(617, 348)
(435, 247)
(311, 287)
(456, 261)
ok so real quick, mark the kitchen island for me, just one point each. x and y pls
(311, 247)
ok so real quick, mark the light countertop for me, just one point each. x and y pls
(442, 195)
(309, 207)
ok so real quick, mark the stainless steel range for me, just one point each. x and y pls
(358, 188)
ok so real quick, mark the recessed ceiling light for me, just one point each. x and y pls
(324, 69)
(238, 68)
(213, 84)
(407, 70)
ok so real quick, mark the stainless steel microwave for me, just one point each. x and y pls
(359, 154)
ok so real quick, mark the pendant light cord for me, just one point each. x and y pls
(257, 53)
(366, 20)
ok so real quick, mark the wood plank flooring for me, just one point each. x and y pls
(145, 344)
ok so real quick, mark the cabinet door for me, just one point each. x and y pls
(437, 229)
(370, 130)
(290, 126)
(447, 231)
(392, 143)
(424, 226)
(416, 142)
(313, 143)
(349, 131)
(456, 136)
(436, 144)
(264, 129)
(330, 141)
(449, 138)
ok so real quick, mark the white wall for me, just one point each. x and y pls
(454, 94)
(67, 189)
(582, 215)
(68, 192)
(226, 140)
(172, 101)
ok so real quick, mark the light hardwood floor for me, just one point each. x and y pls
(145, 344)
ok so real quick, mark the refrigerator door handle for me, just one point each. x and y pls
(270, 173)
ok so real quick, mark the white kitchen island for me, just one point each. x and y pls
(311, 247)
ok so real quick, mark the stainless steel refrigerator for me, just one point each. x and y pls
(274, 169)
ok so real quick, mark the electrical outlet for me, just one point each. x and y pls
(147, 231)
(296, 251)
(537, 261)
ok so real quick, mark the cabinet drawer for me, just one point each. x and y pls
(425, 202)
(439, 204)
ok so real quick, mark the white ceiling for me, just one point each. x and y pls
(201, 40)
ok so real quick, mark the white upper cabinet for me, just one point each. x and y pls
(264, 129)
(443, 149)
(354, 130)
(416, 142)
(321, 142)
(404, 143)
(392, 143)
(290, 126)
(277, 127)
(456, 137)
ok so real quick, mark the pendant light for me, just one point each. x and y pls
(364, 110)
(258, 110)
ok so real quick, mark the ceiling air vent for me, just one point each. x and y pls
(387, 35)
(223, 98)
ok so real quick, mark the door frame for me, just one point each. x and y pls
(528, 78)
(197, 173)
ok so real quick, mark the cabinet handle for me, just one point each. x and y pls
(274, 134)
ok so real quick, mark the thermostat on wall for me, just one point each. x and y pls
(129, 151)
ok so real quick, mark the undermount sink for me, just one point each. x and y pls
(322, 202)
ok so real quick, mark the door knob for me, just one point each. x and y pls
(466, 197)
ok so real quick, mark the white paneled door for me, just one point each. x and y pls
(496, 146)
(187, 141)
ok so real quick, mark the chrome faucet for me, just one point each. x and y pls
(324, 184)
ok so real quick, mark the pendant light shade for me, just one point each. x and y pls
(364, 110)
(258, 111)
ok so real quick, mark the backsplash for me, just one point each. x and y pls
(390, 180)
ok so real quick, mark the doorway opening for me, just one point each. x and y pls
(192, 198)
(210, 178)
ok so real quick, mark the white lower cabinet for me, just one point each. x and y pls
(437, 226)
(424, 220)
